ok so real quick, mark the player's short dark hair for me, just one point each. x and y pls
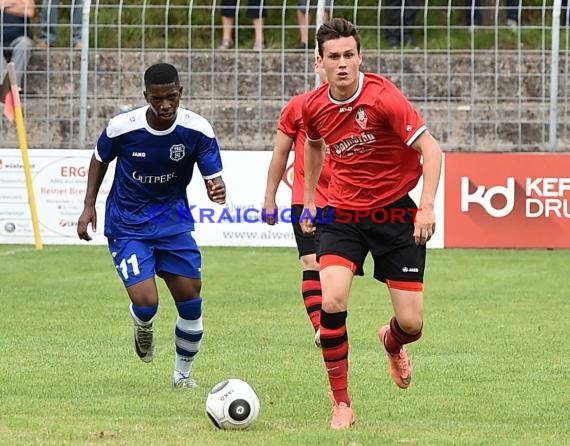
(161, 74)
(335, 29)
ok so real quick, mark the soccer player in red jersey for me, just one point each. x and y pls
(379, 148)
(291, 133)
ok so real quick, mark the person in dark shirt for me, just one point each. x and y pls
(16, 41)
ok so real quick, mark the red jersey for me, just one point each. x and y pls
(368, 136)
(291, 123)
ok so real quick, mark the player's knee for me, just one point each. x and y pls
(309, 262)
(184, 289)
(412, 324)
(334, 302)
(193, 292)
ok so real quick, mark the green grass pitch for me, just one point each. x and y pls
(492, 367)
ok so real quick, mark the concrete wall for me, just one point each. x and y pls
(480, 101)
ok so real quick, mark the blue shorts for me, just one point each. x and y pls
(138, 260)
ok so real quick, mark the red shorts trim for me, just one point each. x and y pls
(334, 260)
(405, 286)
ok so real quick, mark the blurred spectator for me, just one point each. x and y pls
(16, 44)
(564, 16)
(304, 19)
(400, 21)
(473, 13)
(49, 21)
(255, 11)
(474, 16)
(513, 13)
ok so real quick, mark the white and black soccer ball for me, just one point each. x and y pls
(232, 404)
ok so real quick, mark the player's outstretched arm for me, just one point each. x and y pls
(216, 189)
(424, 226)
(277, 167)
(97, 171)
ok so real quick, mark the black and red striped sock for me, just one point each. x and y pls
(334, 342)
(396, 337)
(312, 296)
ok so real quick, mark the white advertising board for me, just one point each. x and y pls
(238, 222)
(60, 179)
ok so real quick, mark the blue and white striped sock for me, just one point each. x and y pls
(187, 336)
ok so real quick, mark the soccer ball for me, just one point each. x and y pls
(232, 404)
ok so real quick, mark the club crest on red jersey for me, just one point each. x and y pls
(361, 118)
(177, 152)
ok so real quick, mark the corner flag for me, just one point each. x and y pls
(10, 95)
(7, 98)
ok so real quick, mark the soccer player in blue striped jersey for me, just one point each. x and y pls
(147, 219)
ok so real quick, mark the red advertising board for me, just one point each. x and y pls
(499, 200)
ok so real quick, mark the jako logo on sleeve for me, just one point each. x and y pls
(484, 197)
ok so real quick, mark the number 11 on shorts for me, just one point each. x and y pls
(124, 268)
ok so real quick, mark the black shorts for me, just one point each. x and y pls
(387, 233)
(255, 9)
(306, 244)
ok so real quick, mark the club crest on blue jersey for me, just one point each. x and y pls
(177, 152)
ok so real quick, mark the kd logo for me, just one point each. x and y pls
(485, 198)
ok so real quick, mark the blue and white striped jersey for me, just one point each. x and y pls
(148, 197)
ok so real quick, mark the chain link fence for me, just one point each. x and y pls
(482, 79)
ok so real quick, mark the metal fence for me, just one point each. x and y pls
(481, 84)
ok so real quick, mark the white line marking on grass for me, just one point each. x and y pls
(13, 251)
